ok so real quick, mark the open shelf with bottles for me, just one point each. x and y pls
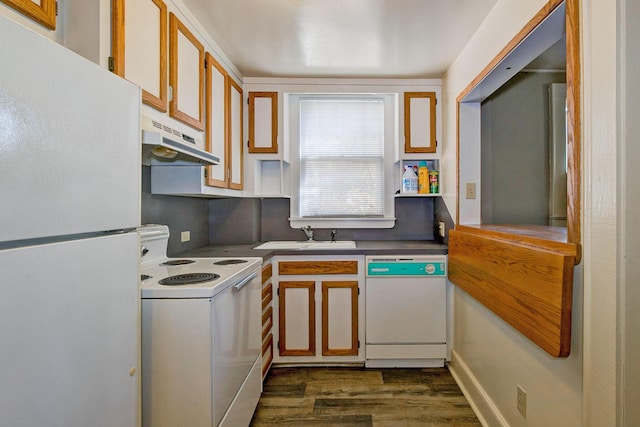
(432, 164)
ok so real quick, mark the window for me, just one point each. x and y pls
(342, 173)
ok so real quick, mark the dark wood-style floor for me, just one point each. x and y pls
(323, 396)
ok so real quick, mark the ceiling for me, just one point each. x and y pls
(341, 38)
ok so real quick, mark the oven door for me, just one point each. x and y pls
(237, 322)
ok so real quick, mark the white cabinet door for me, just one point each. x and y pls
(186, 75)
(420, 122)
(235, 135)
(70, 333)
(263, 122)
(297, 318)
(140, 47)
(216, 123)
(340, 318)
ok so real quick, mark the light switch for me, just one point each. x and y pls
(471, 190)
(185, 236)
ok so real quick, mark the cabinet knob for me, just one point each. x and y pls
(132, 371)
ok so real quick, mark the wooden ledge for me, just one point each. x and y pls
(524, 274)
(538, 236)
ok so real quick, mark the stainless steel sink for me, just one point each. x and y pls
(306, 245)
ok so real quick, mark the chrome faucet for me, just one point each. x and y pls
(309, 232)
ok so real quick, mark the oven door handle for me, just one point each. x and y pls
(243, 282)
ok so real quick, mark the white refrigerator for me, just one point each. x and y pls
(69, 204)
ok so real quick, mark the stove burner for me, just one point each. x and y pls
(230, 261)
(145, 277)
(188, 279)
(178, 262)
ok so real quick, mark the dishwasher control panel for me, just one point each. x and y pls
(406, 266)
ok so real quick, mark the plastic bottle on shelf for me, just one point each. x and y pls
(409, 181)
(423, 178)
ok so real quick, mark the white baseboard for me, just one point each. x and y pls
(486, 411)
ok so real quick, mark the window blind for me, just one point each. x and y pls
(341, 158)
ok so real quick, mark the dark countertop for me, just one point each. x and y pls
(363, 247)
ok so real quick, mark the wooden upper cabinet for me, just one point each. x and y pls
(223, 126)
(41, 11)
(263, 122)
(216, 122)
(235, 135)
(139, 40)
(186, 75)
(420, 122)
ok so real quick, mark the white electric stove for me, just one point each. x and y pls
(201, 336)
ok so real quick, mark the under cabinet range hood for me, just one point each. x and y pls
(164, 145)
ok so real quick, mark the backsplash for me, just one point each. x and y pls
(179, 213)
(252, 220)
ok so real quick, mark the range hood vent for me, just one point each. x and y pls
(164, 145)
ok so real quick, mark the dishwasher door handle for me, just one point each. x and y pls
(243, 282)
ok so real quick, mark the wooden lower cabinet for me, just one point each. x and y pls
(319, 316)
(267, 317)
(340, 318)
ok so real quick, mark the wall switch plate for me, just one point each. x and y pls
(185, 236)
(522, 402)
(441, 228)
(471, 190)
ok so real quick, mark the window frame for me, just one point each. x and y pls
(390, 138)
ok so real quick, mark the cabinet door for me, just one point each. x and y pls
(41, 11)
(297, 318)
(263, 122)
(216, 123)
(139, 39)
(186, 75)
(420, 122)
(235, 135)
(340, 318)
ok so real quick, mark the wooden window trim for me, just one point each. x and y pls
(282, 330)
(118, 43)
(274, 122)
(353, 286)
(176, 27)
(44, 13)
(408, 148)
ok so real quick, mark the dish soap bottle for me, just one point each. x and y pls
(409, 180)
(423, 178)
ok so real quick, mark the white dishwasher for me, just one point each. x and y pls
(406, 311)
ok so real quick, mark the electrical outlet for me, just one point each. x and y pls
(441, 228)
(522, 401)
(185, 236)
(471, 190)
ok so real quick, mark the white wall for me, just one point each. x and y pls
(489, 358)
